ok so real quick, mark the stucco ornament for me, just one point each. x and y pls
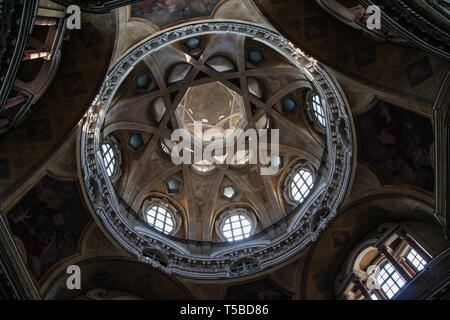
(180, 255)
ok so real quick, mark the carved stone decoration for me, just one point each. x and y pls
(155, 258)
(357, 17)
(244, 267)
(319, 220)
(182, 255)
(343, 131)
(415, 23)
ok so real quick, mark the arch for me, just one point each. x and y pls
(116, 273)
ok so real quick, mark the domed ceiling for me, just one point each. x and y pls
(232, 214)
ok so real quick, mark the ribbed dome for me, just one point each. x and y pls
(242, 198)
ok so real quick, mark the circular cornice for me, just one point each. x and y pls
(303, 225)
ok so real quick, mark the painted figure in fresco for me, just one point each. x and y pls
(42, 225)
(147, 7)
(398, 144)
(390, 135)
(163, 12)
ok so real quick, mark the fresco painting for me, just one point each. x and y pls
(163, 12)
(419, 71)
(397, 144)
(49, 221)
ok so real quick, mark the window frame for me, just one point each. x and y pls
(390, 235)
(166, 205)
(319, 116)
(423, 263)
(289, 179)
(115, 148)
(228, 213)
(111, 164)
(372, 295)
(311, 112)
(390, 277)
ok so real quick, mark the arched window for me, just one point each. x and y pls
(317, 107)
(109, 158)
(416, 260)
(301, 185)
(160, 218)
(236, 227)
(390, 280)
(381, 271)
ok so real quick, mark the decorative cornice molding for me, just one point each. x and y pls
(356, 17)
(410, 21)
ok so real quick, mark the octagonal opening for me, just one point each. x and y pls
(216, 106)
(143, 82)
